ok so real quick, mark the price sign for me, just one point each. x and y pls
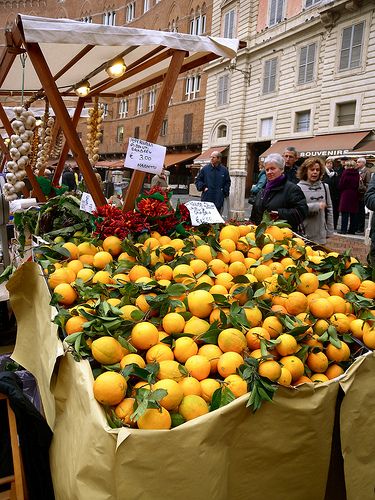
(203, 212)
(87, 203)
(145, 156)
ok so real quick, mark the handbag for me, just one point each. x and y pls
(252, 198)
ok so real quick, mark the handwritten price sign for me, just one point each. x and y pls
(87, 203)
(203, 212)
(145, 156)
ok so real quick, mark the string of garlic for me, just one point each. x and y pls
(45, 142)
(94, 133)
(19, 150)
(57, 147)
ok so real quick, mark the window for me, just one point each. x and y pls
(345, 113)
(306, 64)
(146, 5)
(192, 86)
(228, 31)
(222, 91)
(188, 128)
(109, 18)
(269, 78)
(120, 133)
(197, 24)
(123, 108)
(266, 127)
(130, 12)
(276, 11)
(172, 26)
(310, 3)
(351, 46)
(221, 131)
(164, 128)
(136, 133)
(151, 100)
(86, 19)
(105, 109)
(139, 109)
(302, 121)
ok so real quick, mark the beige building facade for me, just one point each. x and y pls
(305, 79)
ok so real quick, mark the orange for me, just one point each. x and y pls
(169, 369)
(138, 271)
(120, 278)
(317, 362)
(174, 393)
(352, 281)
(106, 350)
(253, 315)
(369, 338)
(151, 243)
(141, 301)
(224, 256)
(367, 289)
(254, 336)
(231, 232)
(341, 322)
(184, 348)
(75, 324)
(224, 279)
(131, 358)
(320, 326)
(228, 363)
(339, 289)
(144, 335)
(308, 283)
(212, 352)
(217, 266)
(209, 386)
(102, 277)
(285, 377)
(154, 418)
(338, 354)
(218, 290)
(109, 388)
(198, 266)
(339, 304)
(237, 269)
(85, 275)
(163, 272)
(231, 339)
(73, 249)
(198, 366)
(313, 341)
(181, 271)
(75, 265)
(86, 248)
(177, 244)
(321, 308)
(319, 377)
(87, 260)
(102, 259)
(204, 252)
(273, 326)
(294, 365)
(127, 311)
(262, 272)
(159, 352)
(192, 406)
(200, 303)
(287, 344)
(228, 245)
(126, 256)
(236, 384)
(358, 327)
(173, 323)
(270, 369)
(112, 244)
(333, 371)
(302, 380)
(67, 294)
(123, 411)
(57, 277)
(196, 326)
(296, 303)
(275, 232)
(190, 385)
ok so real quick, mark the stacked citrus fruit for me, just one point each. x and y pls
(178, 328)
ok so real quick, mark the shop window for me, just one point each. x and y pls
(223, 90)
(276, 12)
(229, 24)
(269, 77)
(351, 46)
(345, 113)
(306, 64)
(302, 121)
(120, 134)
(266, 127)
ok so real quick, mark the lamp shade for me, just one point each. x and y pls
(116, 68)
(82, 89)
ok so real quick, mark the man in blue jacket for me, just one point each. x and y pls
(214, 181)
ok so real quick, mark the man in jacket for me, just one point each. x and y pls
(290, 156)
(370, 204)
(213, 181)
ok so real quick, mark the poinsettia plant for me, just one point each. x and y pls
(153, 212)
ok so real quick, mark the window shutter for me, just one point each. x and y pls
(225, 89)
(357, 45)
(310, 62)
(345, 48)
(188, 128)
(280, 10)
(302, 65)
(272, 78)
(272, 12)
(231, 24)
(220, 91)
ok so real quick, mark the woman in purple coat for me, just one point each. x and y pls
(349, 199)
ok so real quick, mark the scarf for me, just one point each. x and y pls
(271, 185)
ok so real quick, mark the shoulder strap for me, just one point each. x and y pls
(325, 191)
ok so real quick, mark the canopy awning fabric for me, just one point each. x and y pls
(110, 164)
(177, 158)
(206, 155)
(320, 145)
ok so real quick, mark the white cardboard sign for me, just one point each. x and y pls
(145, 156)
(203, 212)
(87, 203)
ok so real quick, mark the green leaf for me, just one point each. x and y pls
(325, 276)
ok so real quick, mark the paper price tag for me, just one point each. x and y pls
(203, 212)
(87, 203)
(145, 156)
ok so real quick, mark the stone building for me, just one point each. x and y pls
(305, 79)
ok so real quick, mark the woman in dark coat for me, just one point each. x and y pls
(349, 198)
(281, 198)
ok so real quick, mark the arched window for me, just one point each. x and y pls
(222, 131)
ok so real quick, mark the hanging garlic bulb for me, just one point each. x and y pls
(19, 150)
(94, 134)
(45, 141)
(57, 147)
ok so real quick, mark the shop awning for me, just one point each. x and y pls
(321, 145)
(176, 158)
(206, 155)
(369, 147)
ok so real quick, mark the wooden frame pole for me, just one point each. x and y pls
(156, 122)
(62, 115)
(65, 148)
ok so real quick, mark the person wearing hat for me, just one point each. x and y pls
(213, 181)
(160, 180)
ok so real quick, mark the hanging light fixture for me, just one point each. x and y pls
(82, 89)
(116, 67)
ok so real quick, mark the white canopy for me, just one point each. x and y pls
(62, 39)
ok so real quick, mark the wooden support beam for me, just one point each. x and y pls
(4, 149)
(62, 115)
(65, 148)
(156, 122)
(5, 121)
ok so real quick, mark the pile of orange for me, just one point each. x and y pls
(307, 334)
